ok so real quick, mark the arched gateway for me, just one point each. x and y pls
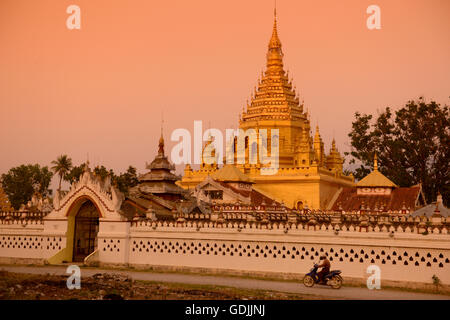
(82, 216)
(86, 229)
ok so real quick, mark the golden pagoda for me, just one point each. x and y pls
(306, 175)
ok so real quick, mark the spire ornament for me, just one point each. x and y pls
(275, 54)
(274, 97)
(161, 139)
(161, 145)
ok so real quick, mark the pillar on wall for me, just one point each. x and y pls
(363, 223)
(114, 241)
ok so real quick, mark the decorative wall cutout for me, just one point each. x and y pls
(110, 245)
(269, 251)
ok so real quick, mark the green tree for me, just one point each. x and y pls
(20, 183)
(127, 180)
(103, 172)
(75, 173)
(412, 145)
(124, 181)
(62, 166)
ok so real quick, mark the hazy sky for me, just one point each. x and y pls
(101, 90)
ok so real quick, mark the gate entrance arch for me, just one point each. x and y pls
(85, 231)
(78, 214)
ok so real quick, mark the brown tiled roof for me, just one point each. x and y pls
(349, 200)
(256, 198)
(235, 190)
(145, 201)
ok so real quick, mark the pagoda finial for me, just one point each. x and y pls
(161, 139)
(275, 16)
(161, 144)
(275, 41)
(375, 162)
(275, 54)
(317, 138)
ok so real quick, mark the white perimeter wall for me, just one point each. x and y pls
(406, 256)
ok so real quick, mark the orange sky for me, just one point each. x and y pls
(100, 90)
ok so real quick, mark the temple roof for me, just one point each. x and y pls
(400, 198)
(160, 179)
(274, 97)
(256, 197)
(158, 175)
(161, 162)
(376, 178)
(230, 173)
(433, 208)
(334, 157)
(248, 196)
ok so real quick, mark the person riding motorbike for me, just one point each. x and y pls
(325, 265)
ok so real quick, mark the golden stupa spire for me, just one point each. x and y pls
(161, 140)
(333, 145)
(317, 136)
(305, 139)
(334, 159)
(275, 41)
(274, 92)
(275, 55)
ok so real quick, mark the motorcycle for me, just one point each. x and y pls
(332, 279)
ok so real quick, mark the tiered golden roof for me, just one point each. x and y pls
(334, 159)
(274, 97)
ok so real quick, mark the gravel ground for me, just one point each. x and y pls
(177, 286)
(111, 286)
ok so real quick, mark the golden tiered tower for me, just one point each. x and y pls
(275, 104)
(306, 175)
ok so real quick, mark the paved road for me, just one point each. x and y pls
(290, 287)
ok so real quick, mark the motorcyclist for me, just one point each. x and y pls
(325, 265)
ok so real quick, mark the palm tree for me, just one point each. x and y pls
(62, 166)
